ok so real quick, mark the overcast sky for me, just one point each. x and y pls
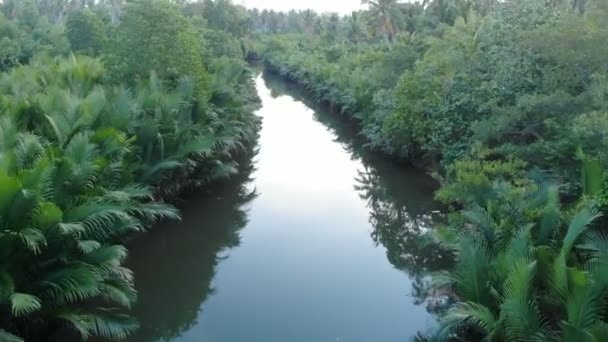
(340, 6)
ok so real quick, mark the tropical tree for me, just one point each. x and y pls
(525, 269)
(65, 200)
(156, 36)
(86, 32)
(387, 13)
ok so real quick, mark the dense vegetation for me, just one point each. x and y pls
(107, 110)
(506, 102)
(110, 108)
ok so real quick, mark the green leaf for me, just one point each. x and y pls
(578, 225)
(474, 314)
(103, 323)
(33, 239)
(9, 187)
(5, 336)
(24, 304)
(88, 246)
(7, 286)
(24, 203)
(592, 176)
(152, 172)
(106, 256)
(72, 284)
(49, 214)
(119, 291)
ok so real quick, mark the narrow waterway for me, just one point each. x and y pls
(316, 241)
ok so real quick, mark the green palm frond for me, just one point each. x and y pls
(7, 286)
(153, 211)
(599, 331)
(153, 172)
(472, 271)
(9, 134)
(40, 178)
(33, 239)
(9, 188)
(578, 225)
(88, 246)
(28, 150)
(520, 247)
(482, 221)
(71, 284)
(120, 291)
(79, 170)
(24, 304)
(106, 256)
(60, 134)
(551, 217)
(595, 242)
(130, 192)
(103, 323)
(97, 217)
(519, 309)
(472, 314)
(202, 145)
(584, 308)
(557, 281)
(592, 176)
(24, 203)
(5, 336)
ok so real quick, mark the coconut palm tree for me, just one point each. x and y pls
(386, 11)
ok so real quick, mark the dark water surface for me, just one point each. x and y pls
(321, 242)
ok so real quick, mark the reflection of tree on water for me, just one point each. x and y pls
(405, 232)
(174, 263)
(400, 199)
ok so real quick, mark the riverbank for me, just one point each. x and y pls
(331, 239)
(306, 93)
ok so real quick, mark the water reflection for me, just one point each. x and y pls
(400, 200)
(175, 262)
(306, 268)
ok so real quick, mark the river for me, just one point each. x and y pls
(317, 240)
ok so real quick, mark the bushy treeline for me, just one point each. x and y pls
(507, 102)
(106, 111)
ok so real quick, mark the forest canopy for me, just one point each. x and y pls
(505, 102)
(110, 109)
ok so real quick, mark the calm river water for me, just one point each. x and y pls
(316, 241)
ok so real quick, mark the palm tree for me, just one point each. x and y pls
(355, 27)
(115, 9)
(70, 150)
(517, 279)
(64, 201)
(386, 10)
(309, 21)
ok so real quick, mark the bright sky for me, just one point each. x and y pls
(340, 6)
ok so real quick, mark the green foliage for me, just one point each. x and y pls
(21, 40)
(498, 98)
(469, 181)
(155, 36)
(86, 161)
(519, 78)
(514, 279)
(86, 33)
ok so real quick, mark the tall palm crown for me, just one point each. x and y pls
(386, 10)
